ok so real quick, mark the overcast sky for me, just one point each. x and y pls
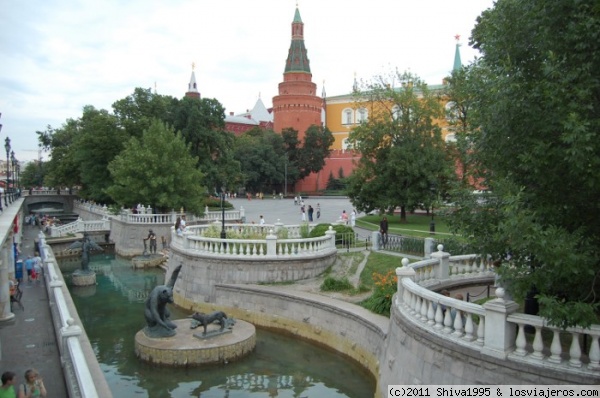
(60, 55)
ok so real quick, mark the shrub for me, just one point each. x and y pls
(380, 301)
(215, 203)
(331, 284)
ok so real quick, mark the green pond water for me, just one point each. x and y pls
(280, 366)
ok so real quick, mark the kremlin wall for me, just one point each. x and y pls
(298, 106)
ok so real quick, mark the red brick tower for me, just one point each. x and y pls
(297, 105)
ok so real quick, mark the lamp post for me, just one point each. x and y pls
(7, 147)
(285, 182)
(223, 233)
(13, 161)
(432, 223)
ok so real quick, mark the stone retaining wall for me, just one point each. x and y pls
(413, 356)
(201, 274)
(344, 327)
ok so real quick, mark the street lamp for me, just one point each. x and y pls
(13, 161)
(432, 223)
(223, 233)
(7, 147)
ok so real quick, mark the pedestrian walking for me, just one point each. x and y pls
(33, 385)
(345, 217)
(353, 218)
(7, 390)
(302, 210)
(318, 211)
(310, 213)
(383, 230)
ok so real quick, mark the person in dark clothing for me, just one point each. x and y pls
(310, 213)
(383, 230)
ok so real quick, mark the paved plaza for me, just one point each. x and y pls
(284, 210)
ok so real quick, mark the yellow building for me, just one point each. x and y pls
(342, 113)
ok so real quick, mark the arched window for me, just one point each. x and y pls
(451, 137)
(396, 112)
(451, 111)
(347, 116)
(361, 115)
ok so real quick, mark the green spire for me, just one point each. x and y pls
(297, 60)
(297, 18)
(457, 61)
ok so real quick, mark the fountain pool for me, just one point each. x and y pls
(280, 366)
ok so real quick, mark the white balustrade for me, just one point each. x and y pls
(463, 323)
(72, 335)
(554, 352)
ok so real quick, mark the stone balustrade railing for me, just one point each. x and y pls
(443, 266)
(271, 247)
(292, 231)
(80, 381)
(493, 328)
(146, 216)
(80, 226)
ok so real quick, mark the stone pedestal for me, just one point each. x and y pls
(83, 278)
(184, 349)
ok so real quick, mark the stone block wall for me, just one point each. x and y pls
(344, 327)
(199, 275)
(413, 356)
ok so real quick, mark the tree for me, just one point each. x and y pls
(61, 169)
(137, 111)
(202, 124)
(98, 141)
(403, 154)
(538, 147)
(32, 175)
(262, 158)
(157, 169)
(309, 155)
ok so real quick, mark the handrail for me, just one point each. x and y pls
(72, 336)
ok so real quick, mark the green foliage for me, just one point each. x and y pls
(202, 125)
(32, 175)
(98, 141)
(157, 169)
(304, 230)
(385, 286)
(399, 143)
(215, 203)
(309, 155)
(331, 284)
(262, 157)
(536, 149)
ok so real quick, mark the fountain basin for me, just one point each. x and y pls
(184, 349)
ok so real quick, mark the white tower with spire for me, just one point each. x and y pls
(193, 86)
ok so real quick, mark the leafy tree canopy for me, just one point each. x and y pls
(537, 103)
(32, 175)
(262, 157)
(309, 155)
(403, 160)
(157, 169)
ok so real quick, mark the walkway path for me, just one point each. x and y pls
(29, 341)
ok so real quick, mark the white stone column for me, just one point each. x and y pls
(403, 272)
(375, 237)
(499, 334)
(271, 244)
(331, 234)
(428, 247)
(443, 269)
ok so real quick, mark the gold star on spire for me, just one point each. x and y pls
(457, 37)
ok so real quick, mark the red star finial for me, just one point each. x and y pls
(457, 37)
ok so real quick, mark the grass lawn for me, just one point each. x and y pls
(415, 224)
(380, 263)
